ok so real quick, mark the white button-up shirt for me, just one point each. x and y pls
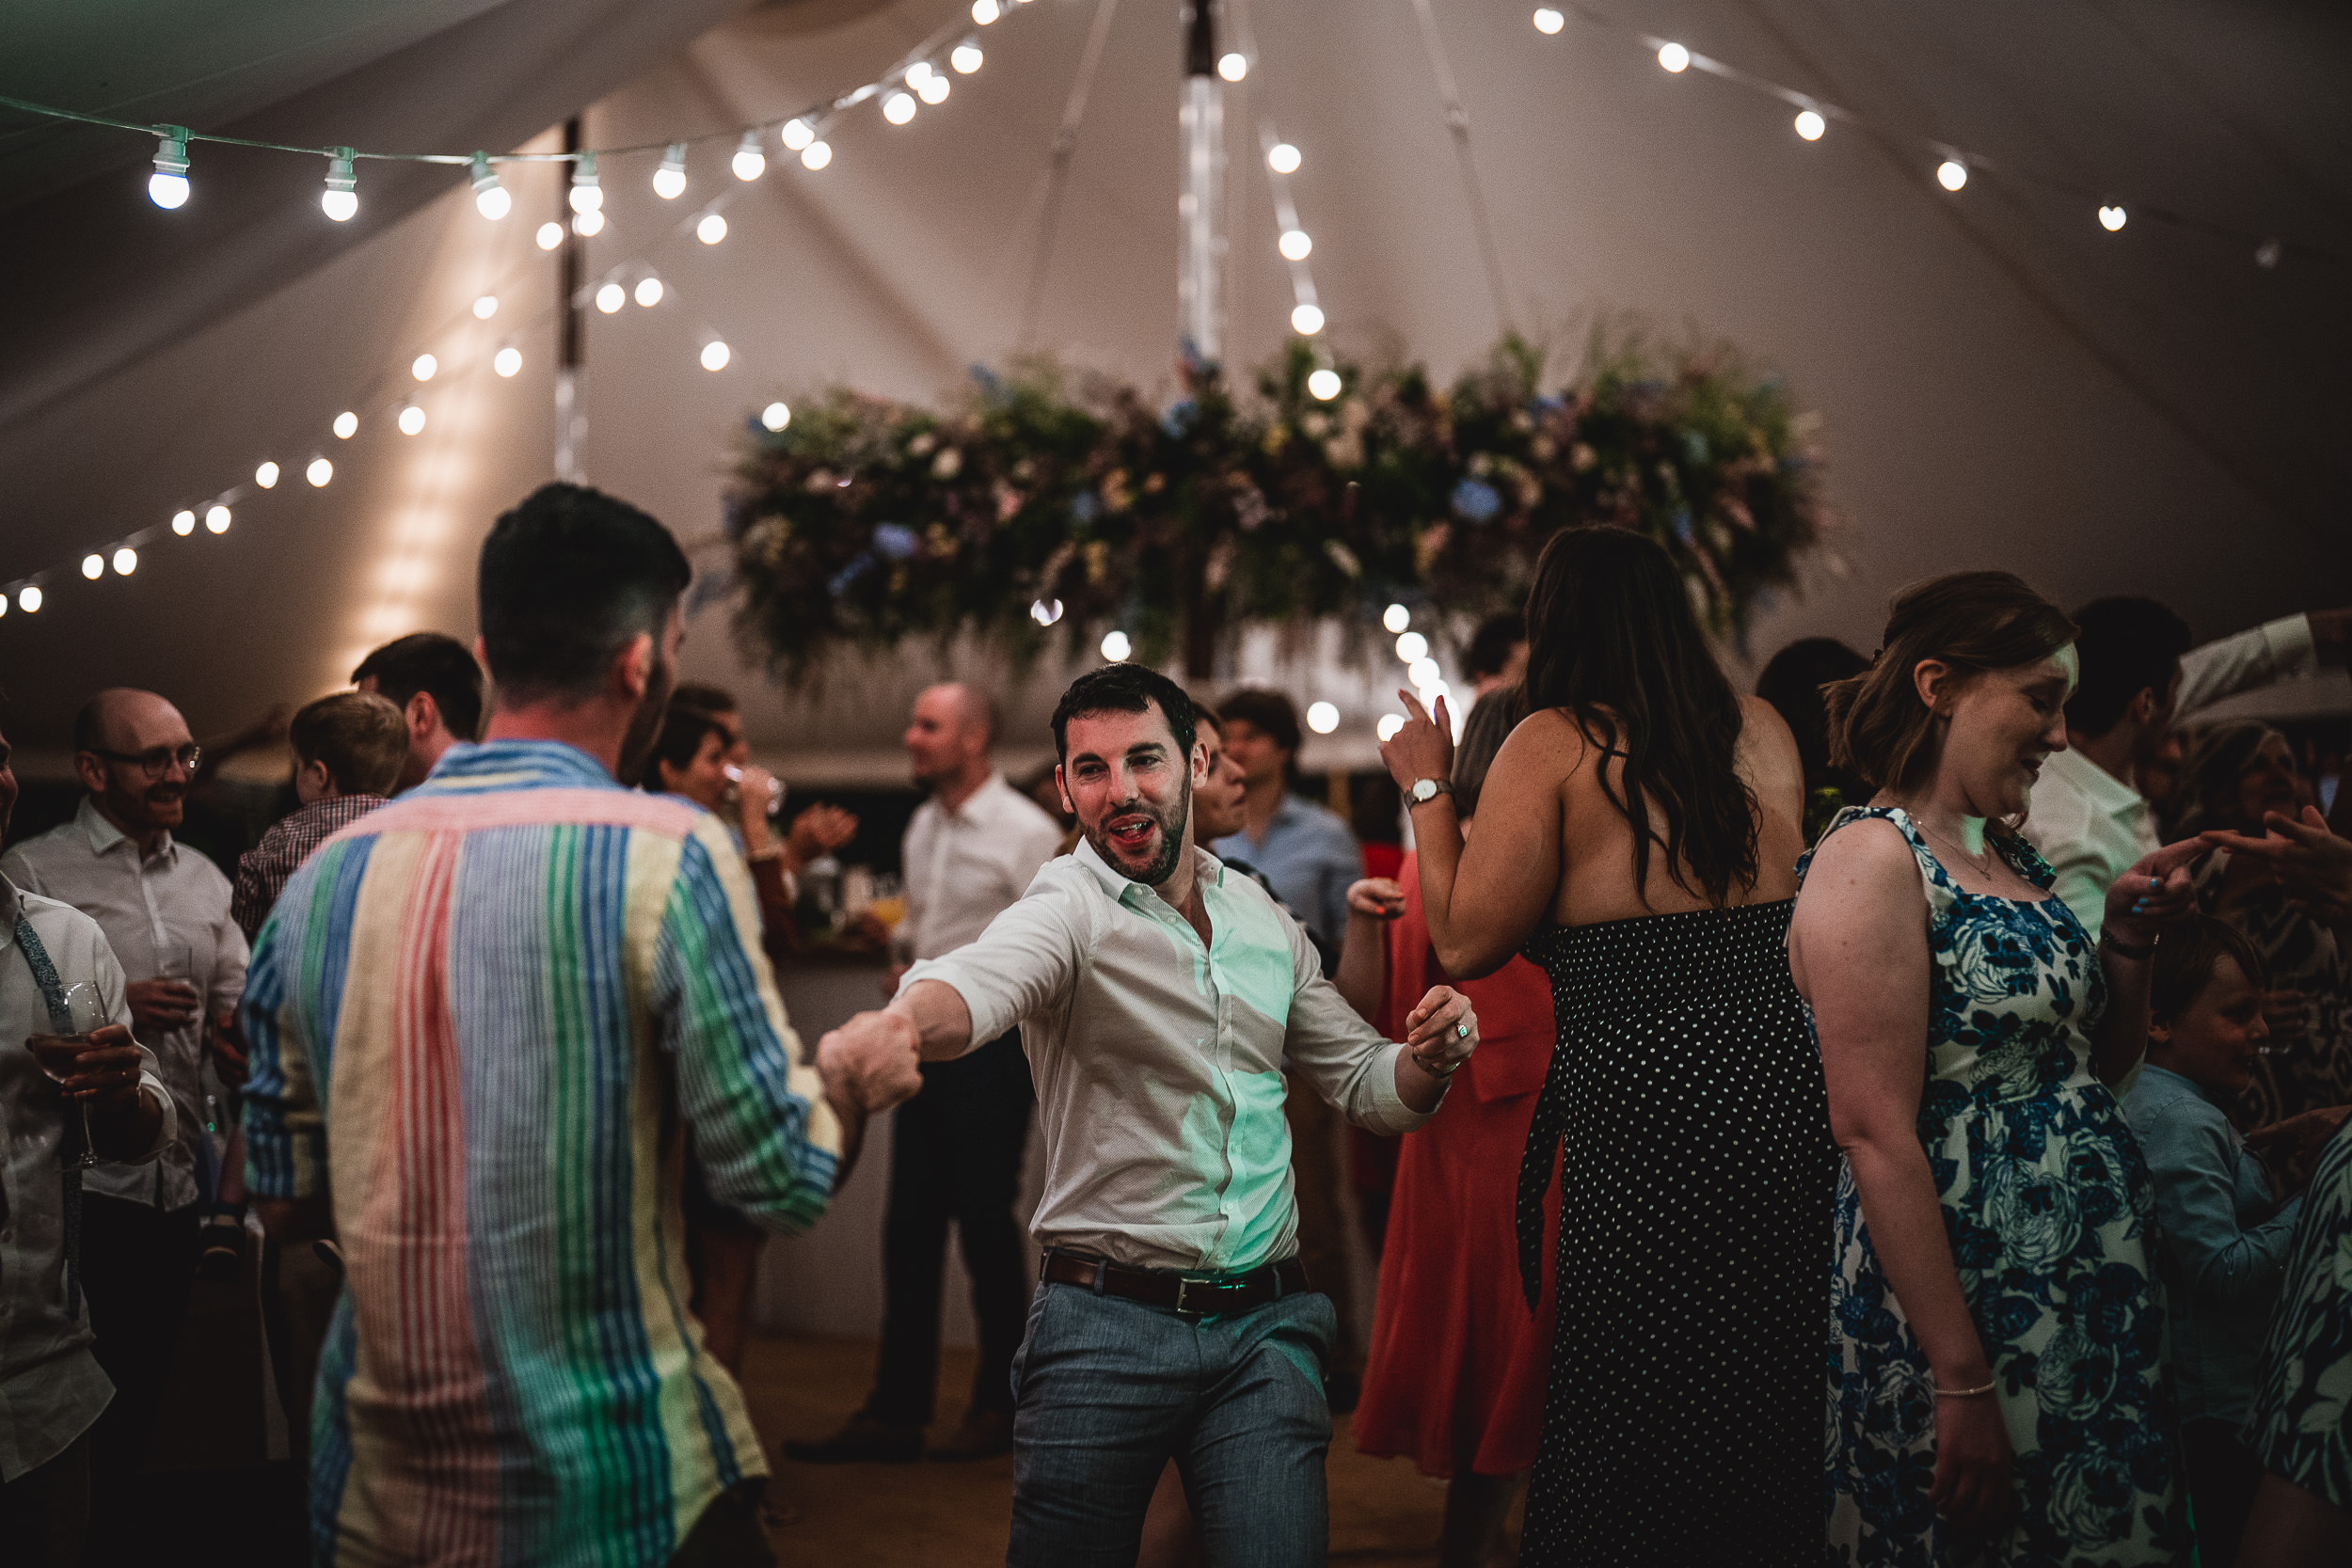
(1159, 1060)
(2091, 826)
(51, 1388)
(156, 909)
(963, 866)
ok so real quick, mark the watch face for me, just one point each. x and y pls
(1423, 789)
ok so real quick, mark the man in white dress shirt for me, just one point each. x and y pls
(2140, 677)
(51, 1390)
(956, 1147)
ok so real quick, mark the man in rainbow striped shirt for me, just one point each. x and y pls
(478, 1018)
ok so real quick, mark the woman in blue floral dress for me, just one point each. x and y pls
(1996, 1330)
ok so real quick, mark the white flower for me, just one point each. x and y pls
(2035, 1214)
(2074, 1377)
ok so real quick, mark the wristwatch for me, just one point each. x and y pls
(1426, 790)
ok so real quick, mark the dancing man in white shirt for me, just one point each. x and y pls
(1159, 999)
(956, 1147)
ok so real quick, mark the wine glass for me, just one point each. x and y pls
(60, 1055)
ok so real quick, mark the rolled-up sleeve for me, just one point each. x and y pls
(2274, 651)
(1341, 1055)
(1021, 965)
(2196, 1180)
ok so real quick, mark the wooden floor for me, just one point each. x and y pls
(1384, 1514)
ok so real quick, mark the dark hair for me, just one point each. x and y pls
(1490, 645)
(568, 579)
(2222, 754)
(1491, 720)
(360, 735)
(1611, 639)
(704, 697)
(2126, 646)
(1268, 712)
(683, 730)
(1792, 682)
(1879, 729)
(2186, 955)
(441, 667)
(1124, 688)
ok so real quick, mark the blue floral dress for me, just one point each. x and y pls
(2048, 1207)
(2301, 1427)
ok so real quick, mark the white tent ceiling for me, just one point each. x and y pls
(2002, 381)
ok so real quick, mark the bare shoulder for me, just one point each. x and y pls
(1548, 739)
(1870, 853)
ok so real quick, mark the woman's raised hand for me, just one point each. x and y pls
(1423, 749)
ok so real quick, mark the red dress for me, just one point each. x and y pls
(1458, 1363)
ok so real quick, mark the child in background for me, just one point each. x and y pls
(2224, 1224)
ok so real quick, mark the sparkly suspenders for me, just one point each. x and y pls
(70, 1175)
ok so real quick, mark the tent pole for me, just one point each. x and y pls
(571, 416)
(1200, 253)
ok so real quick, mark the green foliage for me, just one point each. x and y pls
(867, 521)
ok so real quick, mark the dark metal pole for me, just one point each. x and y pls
(571, 418)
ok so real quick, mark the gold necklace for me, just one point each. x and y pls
(1984, 866)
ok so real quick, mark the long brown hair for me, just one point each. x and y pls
(1879, 729)
(1611, 639)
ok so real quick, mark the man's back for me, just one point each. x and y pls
(495, 998)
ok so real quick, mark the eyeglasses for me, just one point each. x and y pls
(156, 760)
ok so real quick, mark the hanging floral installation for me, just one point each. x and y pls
(1045, 504)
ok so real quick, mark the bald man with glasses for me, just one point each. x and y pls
(164, 909)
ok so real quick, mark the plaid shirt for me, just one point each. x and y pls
(262, 871)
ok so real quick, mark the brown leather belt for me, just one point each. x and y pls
(1190, 1294)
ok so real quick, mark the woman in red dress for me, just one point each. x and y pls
(1456, 1381)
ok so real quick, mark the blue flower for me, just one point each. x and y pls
(1086, 506)
(895, 540)
(1179, 417)
(1476, 501)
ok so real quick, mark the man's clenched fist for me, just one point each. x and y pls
(872, 1062)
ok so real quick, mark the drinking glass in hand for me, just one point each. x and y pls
(59, 1056)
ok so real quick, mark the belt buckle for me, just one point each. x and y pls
(1184, 1282)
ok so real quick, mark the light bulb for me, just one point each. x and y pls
(985, 11)
(588, 225)
(411, 420)
(1674, 58)
(1423, 674)
(796, 133)
(1282, 158)
(711, 230)
(1294, 244)
(484, 307)
(775, 416)
(816, 155)
(898, 108)
(168, 187)
(1951, 174)
(649, 292)
(2111, 218)
(715, 355)
(967, 57)
(425, 367)
(216, 519)
(184, 523)
(1549, 21)
(28, 600)
(93, 567)
(934, 90)
(551, 235)
(611, 298)
(266, 476)
(1233, 66)
(1389, 724)
(341, 197)
(1045, 612)
(492, 200)
(507, 360)
(751, 159)
(918, 73)
(1810, 124)
(669, 181)
(1322, 718)
(1116, 646)
(1323, 385)
(319, 472)
(1306, 320)
(346, 425)
(1411, 645)
(1396, 618)
(586, 195)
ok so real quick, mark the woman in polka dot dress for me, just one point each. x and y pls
(1995, 1333)
(1637, 834)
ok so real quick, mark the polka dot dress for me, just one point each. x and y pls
(1685, 1110)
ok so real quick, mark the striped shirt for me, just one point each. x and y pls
(477, 1017)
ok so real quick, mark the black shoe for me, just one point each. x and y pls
(864, 1441)
(1341, 1389)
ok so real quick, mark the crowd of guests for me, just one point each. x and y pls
(1968, 1022)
